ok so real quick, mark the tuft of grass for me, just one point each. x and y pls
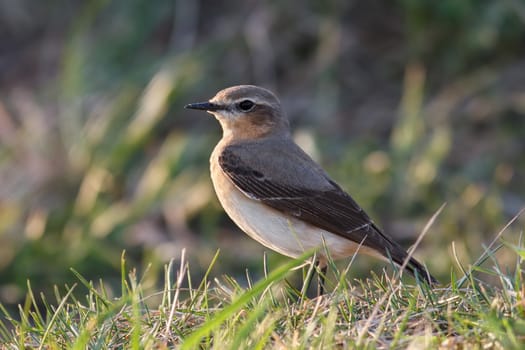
(383, 311)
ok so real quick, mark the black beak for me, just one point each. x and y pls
(205, 106)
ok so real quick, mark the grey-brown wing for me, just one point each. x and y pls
(325, 206)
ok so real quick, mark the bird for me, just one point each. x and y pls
(279, 196)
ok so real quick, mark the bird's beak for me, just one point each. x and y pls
(205, 106)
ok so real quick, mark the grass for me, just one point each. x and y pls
(408, 104)
(97, 154)
(383, 311)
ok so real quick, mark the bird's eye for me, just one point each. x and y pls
(246, 105)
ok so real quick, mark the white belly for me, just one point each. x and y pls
(286, 235)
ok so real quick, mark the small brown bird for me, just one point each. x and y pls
(277, 194)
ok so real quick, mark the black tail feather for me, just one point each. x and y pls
(418, 270)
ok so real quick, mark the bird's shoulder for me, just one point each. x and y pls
(280, 161)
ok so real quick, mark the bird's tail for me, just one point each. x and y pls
(419, 271)
(394, 252)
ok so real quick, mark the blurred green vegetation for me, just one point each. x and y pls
(408, 104)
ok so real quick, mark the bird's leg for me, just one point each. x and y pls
(309, 275)
(320, 277)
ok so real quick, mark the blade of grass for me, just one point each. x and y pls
(180, 279)
(420, 238)
(54, 317)
(483, 256)
(243, 332)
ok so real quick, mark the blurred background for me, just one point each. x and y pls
(408, 104)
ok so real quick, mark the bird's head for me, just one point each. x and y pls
(246, 112)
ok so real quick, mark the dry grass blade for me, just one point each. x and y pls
(420, 238)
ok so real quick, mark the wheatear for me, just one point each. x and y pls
(277, 194)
